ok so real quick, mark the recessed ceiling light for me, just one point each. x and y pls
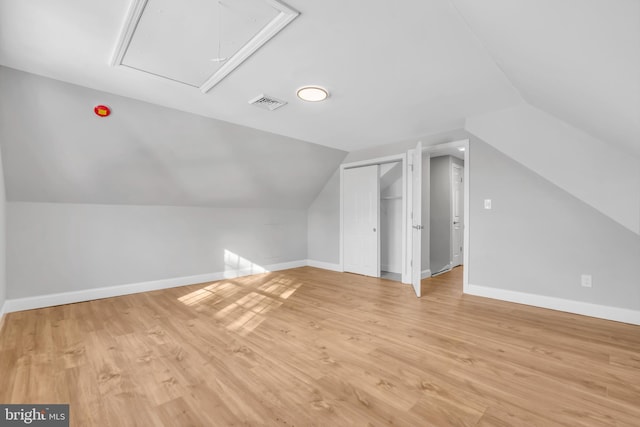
(312, 93)
(461, 148)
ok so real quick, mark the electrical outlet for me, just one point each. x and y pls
(487, 203)
(585, 280)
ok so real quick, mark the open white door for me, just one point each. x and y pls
(416, 217)
(457, 214)
(361, 220)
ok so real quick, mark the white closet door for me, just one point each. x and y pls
(361, 221)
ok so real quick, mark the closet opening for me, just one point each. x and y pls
(391, 221)
(373, 218)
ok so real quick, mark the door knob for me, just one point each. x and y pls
(374, 229)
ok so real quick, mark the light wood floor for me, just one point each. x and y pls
(307, 347)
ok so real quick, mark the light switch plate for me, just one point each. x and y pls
(487, 203)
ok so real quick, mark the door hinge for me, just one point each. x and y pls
(411, 263)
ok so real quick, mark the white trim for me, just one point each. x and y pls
(425, 274)
(324, 265)
(284, 17)
(49, 300)
(126, 33)
(341, 237)
(377, 161)
(577, 307)
(467, 216)
(378, 210)
(269, 31)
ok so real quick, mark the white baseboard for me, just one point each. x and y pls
(425, 273)
(29, 303)
(230, 274)
(577, 307)
(324, 265)
(443, 270)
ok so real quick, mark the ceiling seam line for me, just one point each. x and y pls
(487, 51)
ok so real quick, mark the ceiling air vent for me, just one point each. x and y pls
(267, 102)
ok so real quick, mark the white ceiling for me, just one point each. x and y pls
(196, 42)
(578, 60)
(166, 27)
(395, 70)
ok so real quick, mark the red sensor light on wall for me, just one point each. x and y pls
(102, 110)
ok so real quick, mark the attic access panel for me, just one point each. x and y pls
(197, 42)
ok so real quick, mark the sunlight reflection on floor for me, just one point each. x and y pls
(244, 302)
(220, 290)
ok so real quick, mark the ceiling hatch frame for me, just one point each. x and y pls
(285, 15)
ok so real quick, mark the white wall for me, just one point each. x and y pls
(54, 248)
(56, 149)
(538, 239)
(597, 173)
(323, 223)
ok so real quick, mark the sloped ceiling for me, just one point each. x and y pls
(577, 60)
(395, 70)
(55, 149)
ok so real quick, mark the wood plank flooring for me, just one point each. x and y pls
(308, 347)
